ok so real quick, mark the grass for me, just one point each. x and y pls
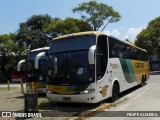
(46, 105)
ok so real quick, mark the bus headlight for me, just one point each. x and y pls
(49, 92)
(87, 91)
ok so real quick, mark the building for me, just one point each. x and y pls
(154, 63)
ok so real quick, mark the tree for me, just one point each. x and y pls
(149, 38)
(10, 52)
(32, 33)
(69, 25)
(96, 14)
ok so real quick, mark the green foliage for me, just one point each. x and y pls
(32, 33)
(69, 25)
(10, 51)
(149, 38)
(97, 13)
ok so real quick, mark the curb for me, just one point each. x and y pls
(92, 112)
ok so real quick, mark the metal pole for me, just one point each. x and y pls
(22, 88)
(8, 83)
(33, 87)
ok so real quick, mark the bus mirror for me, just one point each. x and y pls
(36, 62)
(19, 64)
(91, 55)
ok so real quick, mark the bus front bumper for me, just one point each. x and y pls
(79, 98)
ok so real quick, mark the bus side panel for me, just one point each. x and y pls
(102, 88)
(140, 68)
(116, 73)
(133, 71)
(128, 73)
(113, 72)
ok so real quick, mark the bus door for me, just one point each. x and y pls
(101, 67)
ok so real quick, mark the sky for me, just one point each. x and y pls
(136, 14)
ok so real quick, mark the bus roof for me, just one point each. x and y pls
(134, 46)
(38, 49)
(95, 33)
(78, 34)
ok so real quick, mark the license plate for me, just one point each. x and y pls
(66, 99)
(39, 90)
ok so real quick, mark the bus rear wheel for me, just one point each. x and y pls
(143, 82)
(115, 93)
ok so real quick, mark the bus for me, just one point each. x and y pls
(20, 73)
(36, 70)
(89, 67)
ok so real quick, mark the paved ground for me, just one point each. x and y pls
(13, 100)
(12, 85)
(145, 98)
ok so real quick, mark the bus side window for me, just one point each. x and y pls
(101, 56)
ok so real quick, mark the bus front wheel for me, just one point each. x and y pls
(115, 93)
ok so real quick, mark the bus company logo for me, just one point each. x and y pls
(104, 91)
(6, 114)
(114, 66)
(139, 65)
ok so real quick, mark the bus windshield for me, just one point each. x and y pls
(69, 67)
(42, 71)
(72, 43)
(32, 73)
(68, 60)
(31, 58)
(32, 55)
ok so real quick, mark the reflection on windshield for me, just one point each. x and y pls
(57, 70)
(72, 43)
(78, 65)
(42, 71)
(72, 67)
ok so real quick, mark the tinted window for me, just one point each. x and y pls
(101, 56)
(70, 68)
(72, 43)
(119, 49)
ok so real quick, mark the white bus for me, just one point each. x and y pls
(36, 70)
(89, 67)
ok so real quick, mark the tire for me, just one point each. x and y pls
(115, 93)
(143, 82)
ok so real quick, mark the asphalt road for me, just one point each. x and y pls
(145, 98)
